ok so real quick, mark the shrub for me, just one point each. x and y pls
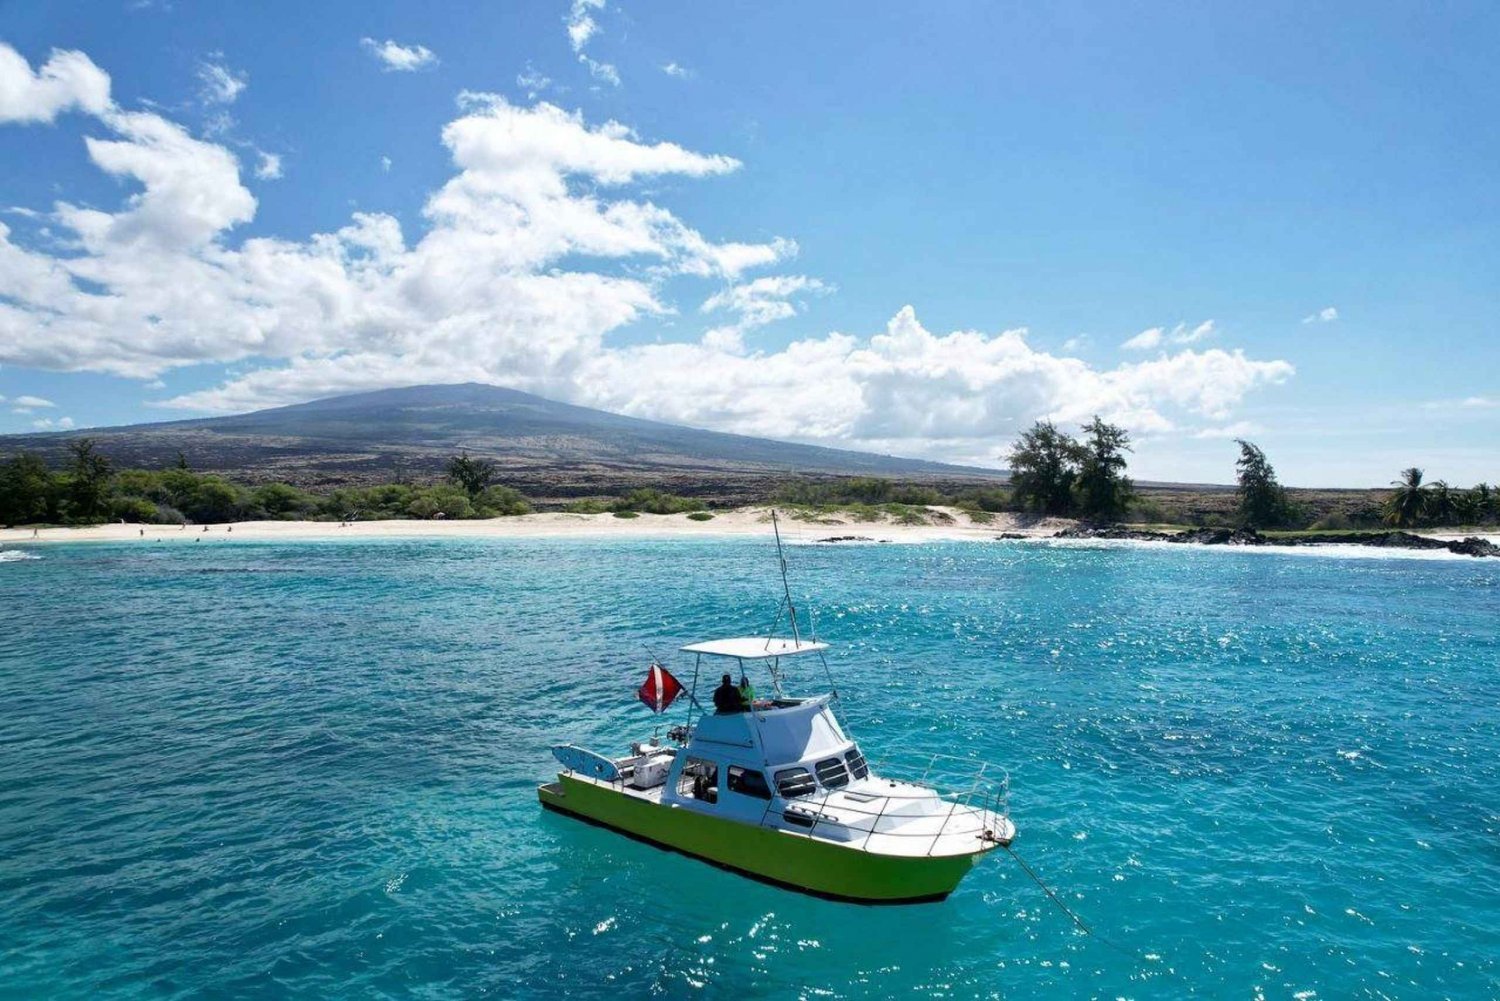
(1147, 511)
(910, 516)
(653, 501)
(588, 505)
(449, 501)
(133, 509)
(699, 516)
(627, 514)
(214, 500)
(279, 500)
(984, 499)
(498, 501)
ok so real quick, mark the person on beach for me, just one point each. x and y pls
(727, 697)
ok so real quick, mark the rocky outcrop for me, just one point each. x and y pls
(1472, 546)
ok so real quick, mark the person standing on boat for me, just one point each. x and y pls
(727, 697)
(747, 692)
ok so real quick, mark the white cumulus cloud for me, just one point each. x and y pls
(397, 57)
(219, 83)
(533, 82)
(1325, 315)
(48, 424)
(756, 304)
(1145, 340)
(582, 28)
(1239, 429)
(581, 23)
(537, 248)
(1155, 337)
(32, 401)
(66, 81)
(268, 165)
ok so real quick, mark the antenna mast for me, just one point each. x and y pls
(785, 587)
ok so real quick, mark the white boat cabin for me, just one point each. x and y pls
(786, 763)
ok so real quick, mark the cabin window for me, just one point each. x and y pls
(831, 773)
(748, 783)
(857, 766)
(699, 780)
(794, 782)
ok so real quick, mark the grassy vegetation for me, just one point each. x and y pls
(90, 491)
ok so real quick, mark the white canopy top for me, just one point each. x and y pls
(755, 647)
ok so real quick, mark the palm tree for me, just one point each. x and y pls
(1440, 503)
(1408, 504)
(1469, 505)
(1486, 500)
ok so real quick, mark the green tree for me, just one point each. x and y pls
(278, 500)
(89, 488)
(1489, 501)
(498, 501)
(214, 500)
(473, 475)
(1408, 504)
(1043, 464)
(1469, 506)
(1263, 502)
(1440, 503)
(1101, 487)
(24, 482)
(447, 501)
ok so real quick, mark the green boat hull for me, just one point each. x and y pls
(783, 858)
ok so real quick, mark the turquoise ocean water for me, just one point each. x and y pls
(308, 770)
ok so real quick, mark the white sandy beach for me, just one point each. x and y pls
(754, 521)
(742, 522)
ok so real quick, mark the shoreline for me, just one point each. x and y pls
(741, 522)
(752, 522)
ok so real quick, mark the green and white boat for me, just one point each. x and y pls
(779, 792)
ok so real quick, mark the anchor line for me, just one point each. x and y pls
(1065, 908)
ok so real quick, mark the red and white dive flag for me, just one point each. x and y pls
(659, 689)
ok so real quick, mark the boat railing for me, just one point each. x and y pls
(974, 791)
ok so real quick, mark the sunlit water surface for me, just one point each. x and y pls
(309, 770)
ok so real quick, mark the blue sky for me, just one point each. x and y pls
(909, 228)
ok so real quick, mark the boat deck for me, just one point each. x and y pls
(878, 816)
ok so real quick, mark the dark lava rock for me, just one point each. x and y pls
(847, 538)
(1474, 546)
(1087, 531)
(1220, 537)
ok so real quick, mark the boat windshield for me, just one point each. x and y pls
(794, 782)
(858, 768)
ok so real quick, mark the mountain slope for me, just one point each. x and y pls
(413, 430)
